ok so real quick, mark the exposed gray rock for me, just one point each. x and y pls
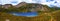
(6, 6)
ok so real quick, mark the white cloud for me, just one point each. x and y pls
(52, 3)
(11, 1)
(31, 1)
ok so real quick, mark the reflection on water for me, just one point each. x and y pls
(27, 14)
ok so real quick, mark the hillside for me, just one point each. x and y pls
(45, 13)
(55, 16)
(24, 7)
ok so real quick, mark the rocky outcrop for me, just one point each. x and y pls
(6, 6)
(20, 4)
(38, 7)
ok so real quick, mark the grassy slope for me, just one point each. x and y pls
(49, 16)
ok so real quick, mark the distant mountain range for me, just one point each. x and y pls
(35, 6)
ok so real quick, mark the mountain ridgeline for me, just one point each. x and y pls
(24, 7)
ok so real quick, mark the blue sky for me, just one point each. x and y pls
(44, 2)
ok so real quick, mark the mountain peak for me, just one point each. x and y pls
(20, 4)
